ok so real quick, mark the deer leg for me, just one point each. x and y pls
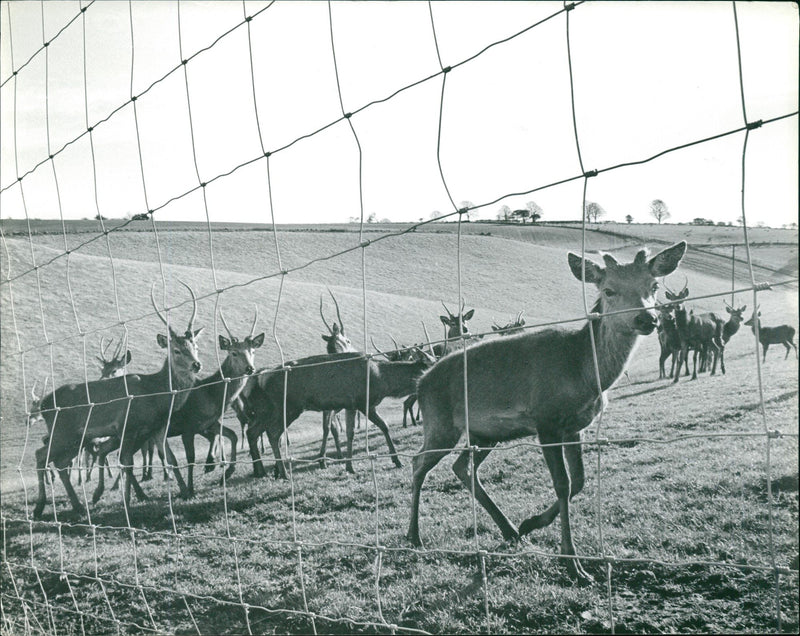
(378, 421)
(440, 438)
(350, 420)
(694, 371)
(473, 484)
(231, 436)
(253, 433)
(101, 478)
(188, 448)
(326, 427)
(63, 473)
(335, 434)
(41, 469)
(554, 456)
(788, 349)
(275, 442)
(164, 449)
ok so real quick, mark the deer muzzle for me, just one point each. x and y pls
(645, 322)
(196, 366)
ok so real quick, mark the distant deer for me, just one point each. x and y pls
(203, 410)
(399, 354)
(668, 339)
(728, 328)
(128, 410)
(109, 368)
(783, 334)
(540, 383)
(455, 326)
(673, 339)
(327, 383)
(512, 327)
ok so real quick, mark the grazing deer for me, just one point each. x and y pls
(454, 328)
(512, 327)
(203, 410)
(128, 410)
(541, 383)
(783, 334)
(328, 382)
(109, 368)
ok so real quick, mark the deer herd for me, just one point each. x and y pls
(549, 383)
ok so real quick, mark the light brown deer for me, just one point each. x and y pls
(128, 410)
(782, 334)
(541, 383)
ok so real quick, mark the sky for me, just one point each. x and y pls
(647, 76)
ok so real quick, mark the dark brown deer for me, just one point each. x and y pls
(328, 382)
(109, 368)
(454, 327)
(668, 339)
(782, 334)
(210, 397)
(512, 327)
(728, 328)
(127, 410)
(541, 383)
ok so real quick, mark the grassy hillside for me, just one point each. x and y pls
(682, 484)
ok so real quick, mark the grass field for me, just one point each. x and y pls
(679, 494)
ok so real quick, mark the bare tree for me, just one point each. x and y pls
(659, 210)
(535, 210)
(593, 211)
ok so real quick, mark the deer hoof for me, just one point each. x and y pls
(229, 471)
(208, 468)
(413, 539)
(577, 573)
(397, 462)
(323, 463)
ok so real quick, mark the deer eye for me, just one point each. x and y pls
(609, 293)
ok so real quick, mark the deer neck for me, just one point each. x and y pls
(171, 380)
(614, 350)
(399, 378)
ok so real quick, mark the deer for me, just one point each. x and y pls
(327, 382)
(454, 327)
(403, 353)
(204, 408)
(668, 339)
(539, 383)
(782, 334)
(109, 368)
(512, 327)
(335, 342)
(698, 332)
(728, 329)
(128, 410)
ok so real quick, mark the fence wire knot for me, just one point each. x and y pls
(755, 124)
(763, 286)
(774, 434)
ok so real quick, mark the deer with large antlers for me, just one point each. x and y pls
(512, 327)
(782, 334)
(541, 383)
(128, 410)
(203, 410)
(329, 382)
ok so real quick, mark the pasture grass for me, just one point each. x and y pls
(680, 496)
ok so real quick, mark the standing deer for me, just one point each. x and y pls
(204, 408)
(668, 339)
(109, 368)
(336, 342)
(454, 328)
(728, 329)
(541, 383)
(128, 410)
(783, 334)
(327, 383)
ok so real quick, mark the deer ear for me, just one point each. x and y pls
(594, 273)
(729, 310)
(445, 320)
(666, 261)
(128, 356)
(257, 341)
(468, 315)
(743, 309)
(327, 338)
(197, 332)
(162, 341)
(224, 343)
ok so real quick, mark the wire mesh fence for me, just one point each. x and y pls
(325, 556)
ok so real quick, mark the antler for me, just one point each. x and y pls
(194, 305)
(447, 310)
(338, 315)
(683, 291)
(376, 348)
(158, 312)
(321, 315)
(225, 324)
(428, 338)
(255, 320)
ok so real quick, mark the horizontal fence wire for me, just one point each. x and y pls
(53, 606)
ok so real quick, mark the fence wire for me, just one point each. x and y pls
(56, 582)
